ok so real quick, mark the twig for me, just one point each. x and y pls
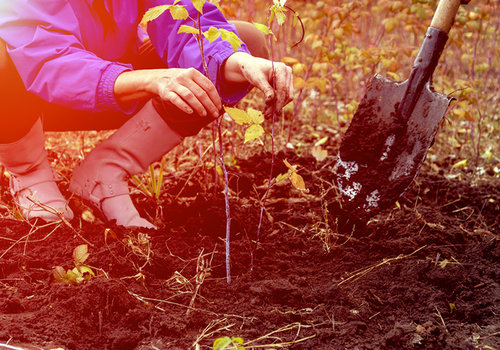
(301, 24)
(208, 332)
(62, 219)
(442, 320)
(280, 330)
(362, 272)
(30, 233)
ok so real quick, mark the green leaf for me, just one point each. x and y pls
(281, 177)
(153, 13)
(221, 343)
(212, 34)
(187, 29)
(231, 38)
(216, 3)
(237, 340)
(390, 24)
(72, 276)
(253, 132)
(239, 116)
(278, 11)
(178, 12)
(85, 269)
(198, 4)
(263, 28)
(256, 116)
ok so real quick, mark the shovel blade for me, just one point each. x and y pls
(381, 153)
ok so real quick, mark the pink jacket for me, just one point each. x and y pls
(71, 52)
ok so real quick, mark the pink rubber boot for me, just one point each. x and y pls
(32, 180)
(102, 176)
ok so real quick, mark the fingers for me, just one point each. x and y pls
(191, 92)
(284, 85)
(208, 88)
(175, 100)
(261, 73)
(199, 92)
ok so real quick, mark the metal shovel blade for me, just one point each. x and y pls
(381, 153)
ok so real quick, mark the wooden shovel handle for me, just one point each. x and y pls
(445, 15)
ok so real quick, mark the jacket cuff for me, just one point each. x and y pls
(105, 99)
(229, 95)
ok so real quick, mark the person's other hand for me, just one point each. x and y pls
(242, 67)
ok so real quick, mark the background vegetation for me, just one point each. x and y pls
(347, 42)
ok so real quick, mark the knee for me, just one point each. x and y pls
(10, 82)
(4, 57)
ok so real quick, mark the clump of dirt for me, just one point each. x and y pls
(421, 277)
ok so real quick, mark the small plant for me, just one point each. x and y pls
(151, 183)
(79, 273)
(233, 343)
(251, 117)
(296, 180)
(226, 343)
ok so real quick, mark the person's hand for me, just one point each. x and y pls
(242, 67)
(187, 89)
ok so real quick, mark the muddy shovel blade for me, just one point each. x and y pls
(392, 130)
(381, 152)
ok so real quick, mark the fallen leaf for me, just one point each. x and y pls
(297, 181)
(319, 153)
(59, 274)
(289, 60)
(80, 253)
(88, 216)
(292, 168)
(322, 141)
(460, 165)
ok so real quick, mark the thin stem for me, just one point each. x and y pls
(199, 39)
(214, 136)
(266, 194)
(228, 209)
(223, 165)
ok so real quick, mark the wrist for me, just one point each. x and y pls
(132, 86)
(233, 66)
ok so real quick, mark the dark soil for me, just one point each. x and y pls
(421, 277)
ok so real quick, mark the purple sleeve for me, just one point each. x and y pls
(182, 51)
(51, 59)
